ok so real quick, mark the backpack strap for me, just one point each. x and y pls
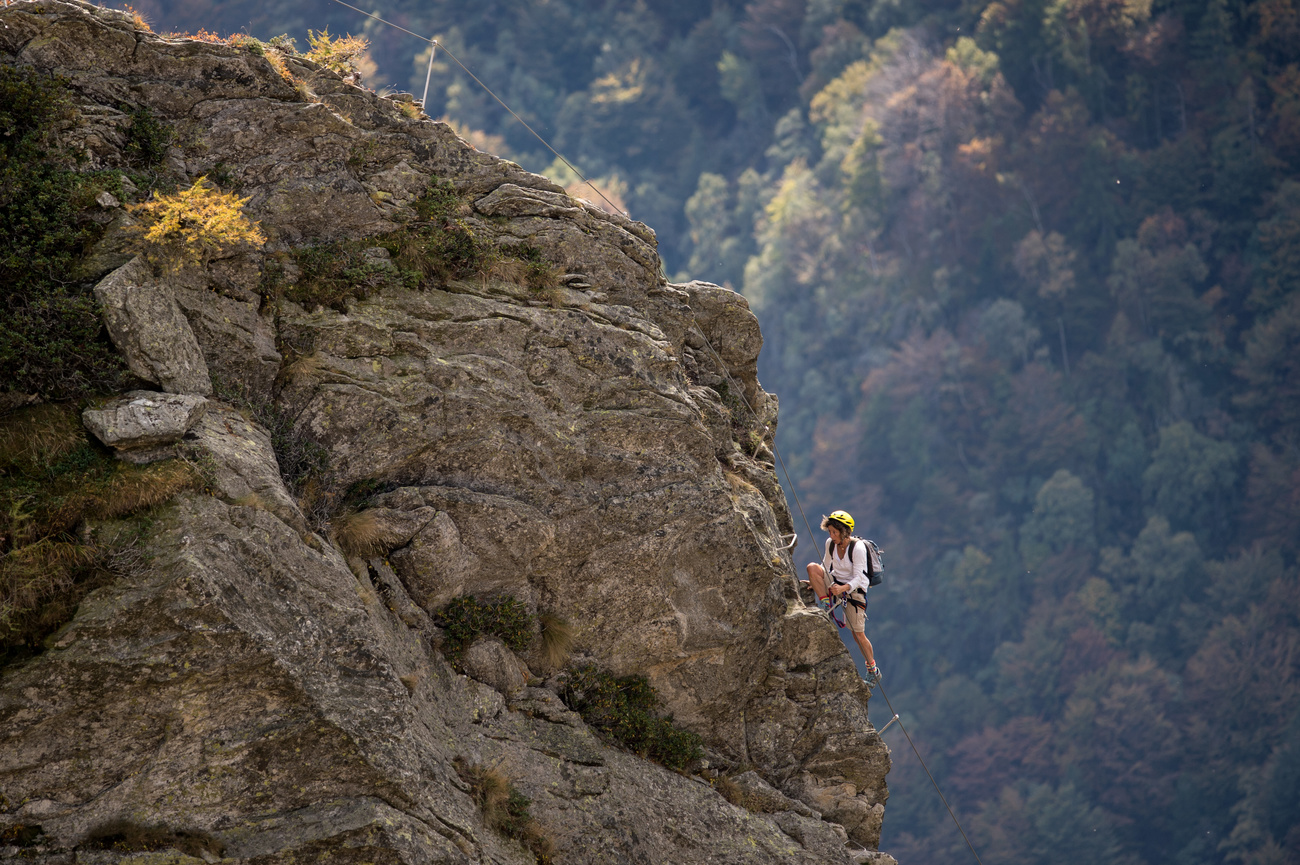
(871, 568)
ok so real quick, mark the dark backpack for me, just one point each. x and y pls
(874, 566)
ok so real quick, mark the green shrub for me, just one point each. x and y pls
(147, 138)
(624, 709)
(466, 618)
(30, 104)
(51, 340)
(437, 243)
(331, 274)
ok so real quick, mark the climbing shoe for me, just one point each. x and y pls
(873, 676)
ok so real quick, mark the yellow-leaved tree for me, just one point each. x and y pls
(342, 54)
(194, 226)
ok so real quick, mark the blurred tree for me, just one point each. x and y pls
(1162, 571)
(1245, 678)
(1062, 519)
(1192, 480)
(1270, 513)
(1007, 335)
(1154, 279)
(1044, 824)
(1277, 250)
(1122, 738)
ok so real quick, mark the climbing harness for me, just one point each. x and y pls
(840, 601)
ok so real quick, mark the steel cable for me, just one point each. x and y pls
(435, 43)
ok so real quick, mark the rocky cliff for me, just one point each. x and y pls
(267, 683)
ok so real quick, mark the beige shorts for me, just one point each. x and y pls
(855, 617)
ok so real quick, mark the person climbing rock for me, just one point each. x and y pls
(847, 561)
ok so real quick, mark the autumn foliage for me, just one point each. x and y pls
(194, 226)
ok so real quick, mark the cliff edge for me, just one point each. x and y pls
(556, 424)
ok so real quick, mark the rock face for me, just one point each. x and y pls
(143, 425)
(148, 328)
(600, 451)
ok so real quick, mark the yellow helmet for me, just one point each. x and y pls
(839, 517)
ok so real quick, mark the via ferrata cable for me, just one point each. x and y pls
(434, 43)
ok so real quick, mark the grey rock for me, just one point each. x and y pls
(379, 257)
(872, 857)
(489, 661)
(814, 834)
(750, 791)
(545, 704)
(142, 425)
(394, 595)
(113, 249)
(515, 201)
(237, 341)
(238, 455)
(149, 330)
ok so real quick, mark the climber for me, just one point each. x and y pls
(847, 561)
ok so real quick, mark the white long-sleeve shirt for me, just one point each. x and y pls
(842, 570)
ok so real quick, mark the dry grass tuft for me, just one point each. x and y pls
(526, 267)
(138, 488)
(202, 36)
(489, 788)
(557, 639)
(510, 270)
(28, 575)
(504, 808)
(741, 797)
(138, 19)
(252, 500)
(52, 480)
(39, 435)
(276, 59)
(543, 276)
(363, 536)
(413, 680)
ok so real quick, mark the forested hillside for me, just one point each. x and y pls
(1029, 275)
